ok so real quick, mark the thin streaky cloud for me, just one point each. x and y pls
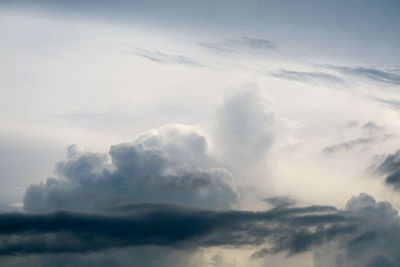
(357, 143)
(308, 77)
(370, 73)
(242, 44)
(158, 56)
(391, 103)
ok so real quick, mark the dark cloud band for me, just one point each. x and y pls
(285, 229)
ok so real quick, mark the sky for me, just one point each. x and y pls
(200, 133)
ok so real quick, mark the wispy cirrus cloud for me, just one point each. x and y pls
(236, 45)
(390, 103)
(357, 143)
(158, 56)
(369, 73)
(317, 78)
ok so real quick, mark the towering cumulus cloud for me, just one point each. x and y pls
(245, 131)
(169, 165)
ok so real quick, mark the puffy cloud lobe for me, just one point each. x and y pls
(170, 164)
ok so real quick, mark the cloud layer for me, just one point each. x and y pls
(286, 229)
(365, 232)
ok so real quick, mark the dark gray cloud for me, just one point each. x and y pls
(260, 253)
(158, 56)
(317, 78)
(372, 74)
(375, 241)
(146, 256)
(279, 202)
(285, 229)
(365, 232)
(242, 44)
(169, 165)
(357, 143)
(391, 168)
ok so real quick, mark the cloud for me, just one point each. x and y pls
(308, 77)
(169, 165)
(356, 143)
(375, 241)
(365, 232)
(245, 129)
(391, 168)
(391, 103)
(158, 56)
(236, 45)
(148, 256)
(285, 229)
(372, 74)
(279, 202)
(372, 127)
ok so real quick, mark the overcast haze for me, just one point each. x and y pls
(200, 133)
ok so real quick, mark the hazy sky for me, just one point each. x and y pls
(199, 133)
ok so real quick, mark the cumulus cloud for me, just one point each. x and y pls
(375, 242)
(169, 165)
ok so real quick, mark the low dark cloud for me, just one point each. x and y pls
(372, 74)
(360, 142)
(365, 232)
(317, 78)
(158, 56)
(285, 229)
(237, 45)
